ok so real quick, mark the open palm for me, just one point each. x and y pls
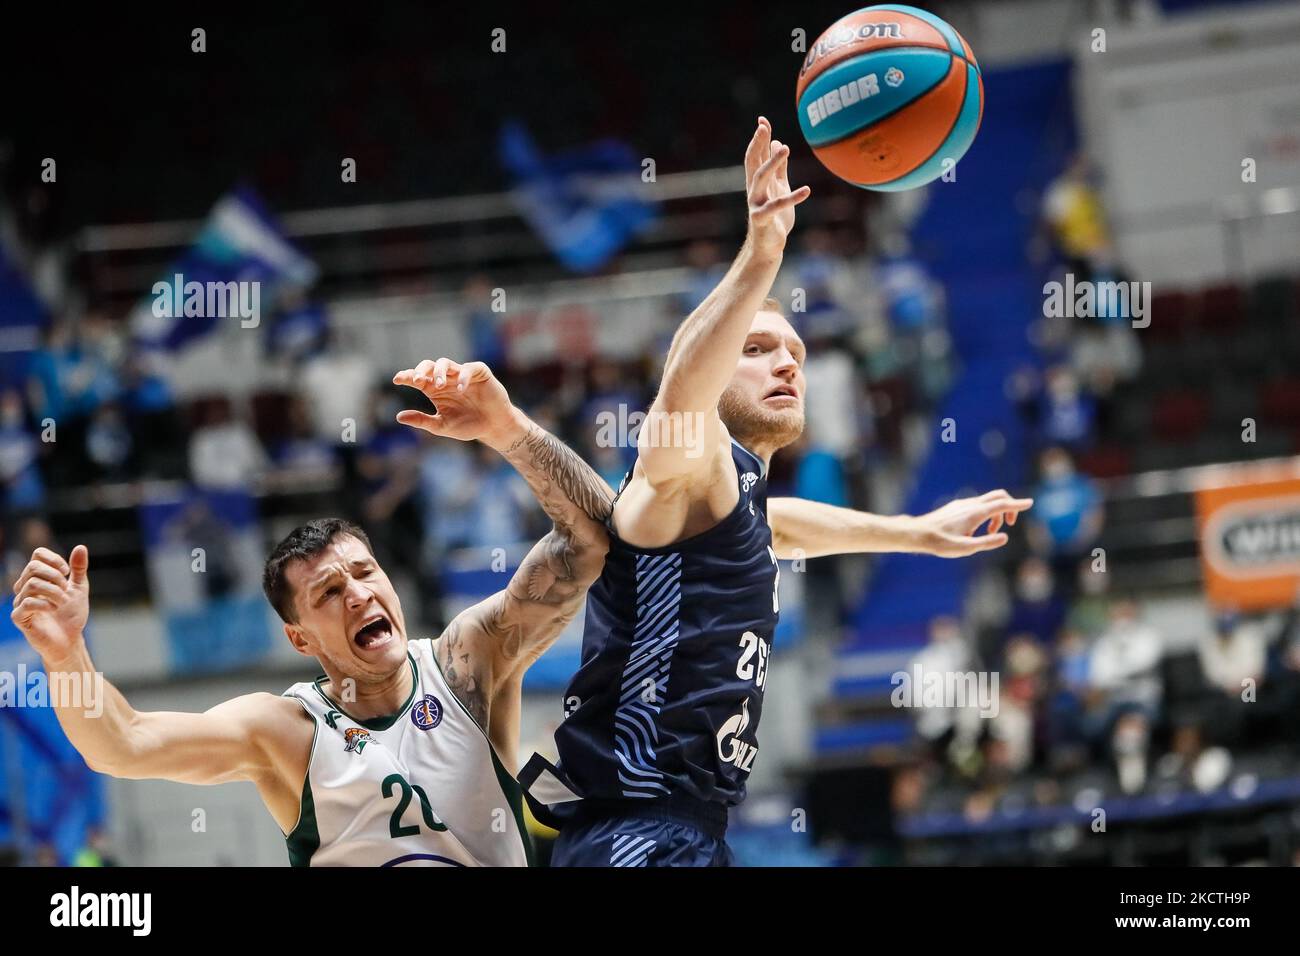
(949, 532)
(767, 188)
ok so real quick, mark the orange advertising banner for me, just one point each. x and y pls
(1250, 542)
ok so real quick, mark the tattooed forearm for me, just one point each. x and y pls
(565, 485)
(517, 625)
(462, 669)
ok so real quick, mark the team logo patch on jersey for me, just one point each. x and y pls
(747, 481)
(427, 713)
(731, 749)
(355, 739)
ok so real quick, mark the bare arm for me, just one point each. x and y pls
(488, 645)
(492, 643)
(707, 346)
(225, 743)
(812, 529)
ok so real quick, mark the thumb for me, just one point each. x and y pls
(430, 423)
(962, 546)
(987, 542)
(79, 561)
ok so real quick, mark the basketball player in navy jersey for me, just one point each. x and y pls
(661, 719)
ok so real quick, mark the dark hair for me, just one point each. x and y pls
(301, 544)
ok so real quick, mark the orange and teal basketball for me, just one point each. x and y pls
(889, 97)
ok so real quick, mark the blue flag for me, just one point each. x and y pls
(240, 243)
(46, 790)
(585, 204)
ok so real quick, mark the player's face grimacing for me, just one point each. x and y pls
(348, 612)
(763, 404)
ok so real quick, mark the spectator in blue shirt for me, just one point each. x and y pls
(1039, 607)
(1068, 415)
(500, 506)
(1068, 514)
(819, 476)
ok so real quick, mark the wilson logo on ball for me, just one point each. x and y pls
(847, 35)
(890, 97)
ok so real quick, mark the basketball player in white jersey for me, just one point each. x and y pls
(403, 751)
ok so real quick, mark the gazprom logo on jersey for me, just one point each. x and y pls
(731, 749)
(427, 713)
(830, 103)
(848, 35)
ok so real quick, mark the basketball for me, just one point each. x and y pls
(889, 97)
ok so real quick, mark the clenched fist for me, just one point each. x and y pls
(52, 601)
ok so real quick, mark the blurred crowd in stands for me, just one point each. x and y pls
(93, 410)
(1085, 678)
(1088, 678)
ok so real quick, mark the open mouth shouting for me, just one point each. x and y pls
(375, 632)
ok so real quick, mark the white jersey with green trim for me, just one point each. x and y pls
(422, 787)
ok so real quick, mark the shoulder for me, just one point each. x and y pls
(462, 659)
(717, 463)
(458, 641)
(269, 719)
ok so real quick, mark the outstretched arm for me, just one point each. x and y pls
(494, 641)
(708, 344)
(811, 529)
(51, 606)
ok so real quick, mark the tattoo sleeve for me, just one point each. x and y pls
(552, 580)
(463, 671)
(500, 636)
(566, 486)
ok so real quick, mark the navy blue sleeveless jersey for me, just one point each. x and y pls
(674, 659)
